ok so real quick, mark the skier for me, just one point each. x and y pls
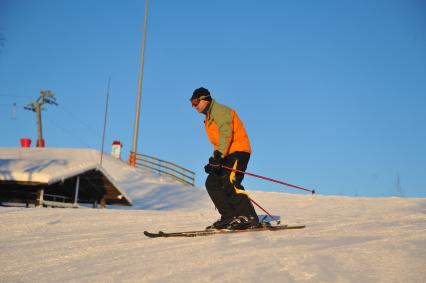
(232, 149)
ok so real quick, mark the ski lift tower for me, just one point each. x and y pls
(45, 97)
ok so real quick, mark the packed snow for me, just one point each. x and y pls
(346, 239)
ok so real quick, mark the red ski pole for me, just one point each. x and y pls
(258, 205)
(268, 179)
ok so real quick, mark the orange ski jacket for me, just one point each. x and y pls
(225, 129)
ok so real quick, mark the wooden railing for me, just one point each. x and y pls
(164, 167)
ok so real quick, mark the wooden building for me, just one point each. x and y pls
(61, 177)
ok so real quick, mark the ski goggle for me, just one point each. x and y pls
(196, 101)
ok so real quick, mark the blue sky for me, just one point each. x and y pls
(332, 93)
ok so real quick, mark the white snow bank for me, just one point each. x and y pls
(345, 240)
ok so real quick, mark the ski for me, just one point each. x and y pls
(162, 234)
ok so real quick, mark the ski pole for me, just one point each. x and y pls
(273, 218)
(268, 179)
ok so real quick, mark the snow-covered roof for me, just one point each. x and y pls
(45, 165)
(52, 165)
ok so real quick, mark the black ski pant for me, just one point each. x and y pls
(226, 191)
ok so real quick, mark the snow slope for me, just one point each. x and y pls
(346, 240)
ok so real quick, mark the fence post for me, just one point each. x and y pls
(40, 198)
(77, 188)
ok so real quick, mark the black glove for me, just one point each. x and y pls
(215, 163)
(208, 168)
(217, 158)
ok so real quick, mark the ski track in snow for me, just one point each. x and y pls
(346, 240)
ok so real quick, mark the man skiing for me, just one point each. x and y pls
(232, 149)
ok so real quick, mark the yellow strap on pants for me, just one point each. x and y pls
(232, 179)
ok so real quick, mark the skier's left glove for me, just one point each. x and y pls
(208, 168)
(215, 163)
